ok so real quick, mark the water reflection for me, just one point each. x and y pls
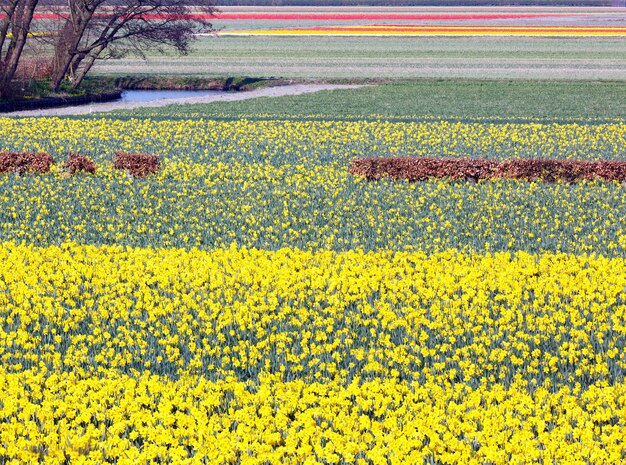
(150, 95)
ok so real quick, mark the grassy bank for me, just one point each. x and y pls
(103, 84)
(439, 98)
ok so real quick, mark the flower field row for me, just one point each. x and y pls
(384, 15)
(337, 16)
(259, 205)
(405, 30)
(310, 143)
(275, 184)
(380, 16)
(153, 419)
(249, 356)
(238, 313)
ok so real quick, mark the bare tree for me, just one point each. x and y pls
(15, 23)
(101, 29)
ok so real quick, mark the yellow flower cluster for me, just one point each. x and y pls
(152, 419)
(444, 318)
(247, 356)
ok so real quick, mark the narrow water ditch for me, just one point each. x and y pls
(129, 96)
(159, 98)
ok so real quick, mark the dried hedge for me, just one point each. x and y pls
(563, 170)
(137, 164)
(77, 162)
(22, 162)
(473, 169)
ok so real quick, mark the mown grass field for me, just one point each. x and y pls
(254, 302)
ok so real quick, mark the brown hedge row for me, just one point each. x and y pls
(137, 164)
(473, 169)
(77, 162)
(22, 162)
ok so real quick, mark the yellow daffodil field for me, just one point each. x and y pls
(255, 303)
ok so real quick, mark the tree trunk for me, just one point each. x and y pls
(20, 35)
(20, 26)
(67, 44)
(5, 22)
(79, 74)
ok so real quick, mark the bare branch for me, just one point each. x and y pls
(108, 28)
